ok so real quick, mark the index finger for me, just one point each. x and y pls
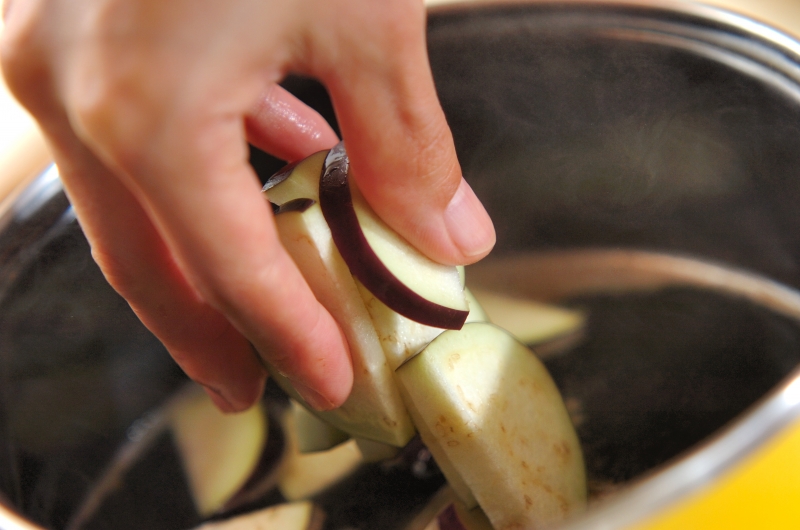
(205, 201)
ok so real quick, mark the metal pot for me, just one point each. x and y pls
(640, 162)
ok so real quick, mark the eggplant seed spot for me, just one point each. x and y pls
(562, 450)
(391, 339)
(440, 429)
(452, 360)
(463, 397)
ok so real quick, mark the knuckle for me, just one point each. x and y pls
(21, 57)
(435, 159)
(121, 276)
(107, 111)
(239, 287)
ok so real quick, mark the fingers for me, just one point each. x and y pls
(136, 262)
(6, 8)
(177, 221)
(206, 202)
(398, 140)
(163, 95)
(286, 127)
(180, 148)
(234, 261)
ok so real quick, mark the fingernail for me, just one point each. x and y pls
(219, 399)
(468, 224)
(312, 397)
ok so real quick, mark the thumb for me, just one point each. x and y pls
(400, 147)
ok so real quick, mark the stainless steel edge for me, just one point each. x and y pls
(697, 469)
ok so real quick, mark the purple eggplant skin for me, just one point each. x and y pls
(336, 202)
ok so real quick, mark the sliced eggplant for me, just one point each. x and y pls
(313, 434)
(374, 409)
(305, 475)
(219, 451)
(458, 517)
(531, 322)
(477, 313)
(388, 266)
(372, 451)
(483, 403)
(288, 516)
(491, 409)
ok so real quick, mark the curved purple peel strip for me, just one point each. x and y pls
(337, 208)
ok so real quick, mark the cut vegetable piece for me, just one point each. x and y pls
(372, 451)
(219, 451)
(289, 516)
(490, 406)
(312, 433)
(445, 512)
(304, 475)
(400, 337)
(474, 519)
(476, 311)
(458, 517)
(440, 456)
(427, 517)
(529, 321)
(374, 409)
(391, 269)
(296, 181)
(436, 283)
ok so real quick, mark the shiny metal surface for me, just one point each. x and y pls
(664, 129)
(563, 274)
(697, 470)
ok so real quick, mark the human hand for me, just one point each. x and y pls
(148, 107)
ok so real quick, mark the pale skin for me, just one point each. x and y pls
(148, 106)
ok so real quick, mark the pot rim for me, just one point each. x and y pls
(644, 497)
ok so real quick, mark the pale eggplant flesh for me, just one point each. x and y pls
(337, 206)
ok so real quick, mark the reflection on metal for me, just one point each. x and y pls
(44, 210)
(37, 194)
(645, 498)
(563, 274)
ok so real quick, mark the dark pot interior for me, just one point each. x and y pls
(579, 126)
